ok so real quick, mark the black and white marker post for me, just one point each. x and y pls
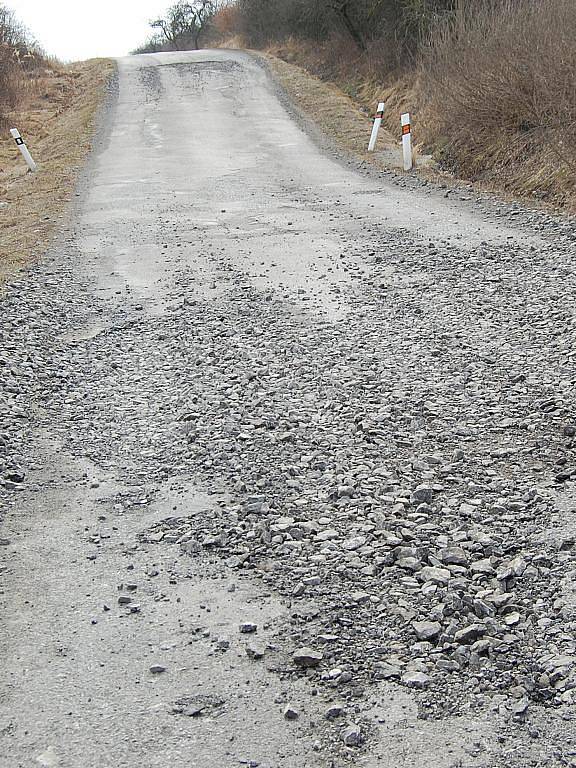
(376, 127)
(24, 149)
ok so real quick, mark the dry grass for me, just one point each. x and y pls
(501, 96)
(56, 117)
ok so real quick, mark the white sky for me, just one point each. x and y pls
(83, 29)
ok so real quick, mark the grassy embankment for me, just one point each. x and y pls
(55, 116)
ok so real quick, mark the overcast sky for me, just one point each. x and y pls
(82, 29)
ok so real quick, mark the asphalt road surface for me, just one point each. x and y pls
(255, 383)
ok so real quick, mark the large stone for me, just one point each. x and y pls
(427, 630)
(307, 657)
(352, 736)
(469, 634)
(453, 556)
(248, 627)
(435, 575)
(415, 679)
(423, 494)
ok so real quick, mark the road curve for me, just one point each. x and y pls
(252, 384)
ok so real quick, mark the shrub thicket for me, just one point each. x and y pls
(500, 91)
(19, 58)
(395, 25)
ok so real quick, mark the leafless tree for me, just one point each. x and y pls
(342, 9)
(185, 23)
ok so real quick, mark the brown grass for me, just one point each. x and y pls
(356, 77)
(499, 91)
(492, 93)
(56, 118)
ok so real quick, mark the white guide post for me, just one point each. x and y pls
(376, 127)
(24, 149)
(406, 141)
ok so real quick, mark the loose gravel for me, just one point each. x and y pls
(394, 472)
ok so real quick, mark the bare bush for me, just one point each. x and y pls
(19, 58)
(226, 21)
(501, 92)
(8, 89)
(155, 44)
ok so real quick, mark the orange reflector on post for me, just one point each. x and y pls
(406, 141)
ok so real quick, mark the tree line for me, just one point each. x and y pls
(183, 27)
(397, 24)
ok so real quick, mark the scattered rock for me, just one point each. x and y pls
(307, 657)
(352, 736)
(290, 713)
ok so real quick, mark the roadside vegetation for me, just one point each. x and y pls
(54, 107)
(490, 83)
(22, 63)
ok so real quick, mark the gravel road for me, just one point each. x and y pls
(287, 455)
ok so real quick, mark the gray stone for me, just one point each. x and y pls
(355, 543)
(255, 650)
(469, 633)
(334, 711)
(248, 627)
(427, 630)
(352, 736)
(435, 575)
(482, 566)
(307, 657)
(290, 713)
(453, 556)
(415, 679)
(423, 494)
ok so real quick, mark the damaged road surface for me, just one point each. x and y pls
(287, 456)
